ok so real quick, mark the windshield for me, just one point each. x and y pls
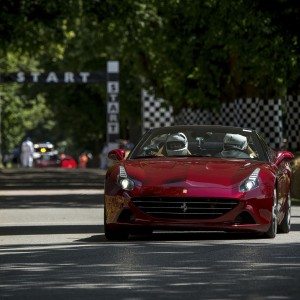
(199, 141)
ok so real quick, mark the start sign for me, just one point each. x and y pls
(113, 128)
(111, 77)
(54, 77)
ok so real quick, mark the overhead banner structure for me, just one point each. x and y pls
(113, 107)
(54, 77)
(110, 76)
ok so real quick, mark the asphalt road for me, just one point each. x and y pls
(52, 247)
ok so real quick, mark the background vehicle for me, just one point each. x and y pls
(199, 178)
(45, 156)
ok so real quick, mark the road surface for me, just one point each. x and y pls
(52, 247)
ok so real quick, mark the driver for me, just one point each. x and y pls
(177, 145)
(235, 146)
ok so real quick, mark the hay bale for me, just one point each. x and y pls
(295, 190)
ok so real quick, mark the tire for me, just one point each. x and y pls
(272, 231)
(142, 232)
(285, 225)
(113, 235)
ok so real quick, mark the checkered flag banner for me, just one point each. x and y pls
(270, 122)
(263, 116)
(247, 113)
(154, 112)
(187, 116)
(293, 122)
(225, 116)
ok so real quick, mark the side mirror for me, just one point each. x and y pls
(116, 154)
(283, 155)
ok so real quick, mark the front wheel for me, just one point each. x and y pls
(271, 233)
(285, 225)
(115, 235)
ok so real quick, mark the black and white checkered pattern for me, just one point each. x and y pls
(270, 121)
(187, 116)
(263, 116)
(247, 113)
(226, 116)
(293, 122)
(154, 113)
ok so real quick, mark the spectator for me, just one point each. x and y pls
(16, 157)
(27, 150)
(103, 157)
(83, 160)
(5, 160)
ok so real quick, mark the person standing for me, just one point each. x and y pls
(103, 157)
(16, 157)
(83, 160)
(27, 150)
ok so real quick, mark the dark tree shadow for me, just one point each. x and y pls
(52, 201)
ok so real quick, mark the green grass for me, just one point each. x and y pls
(295, 201)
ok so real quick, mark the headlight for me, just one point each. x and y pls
(251, 182)
(124, 181)
(126, 184)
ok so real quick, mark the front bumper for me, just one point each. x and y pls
(253, 213)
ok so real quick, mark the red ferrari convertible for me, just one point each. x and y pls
(198, 178)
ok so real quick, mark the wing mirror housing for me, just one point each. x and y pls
(116, 154)
(283, 155)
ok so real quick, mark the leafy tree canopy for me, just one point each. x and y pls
(192, 53)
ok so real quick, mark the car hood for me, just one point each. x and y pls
(191, 172)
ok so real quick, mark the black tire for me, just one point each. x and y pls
(272, 231)
(142, 232)
(113, 235)
(285, 225)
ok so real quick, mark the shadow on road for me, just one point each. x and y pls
(138, 270)
(99, 229)
(52, 201)
(175, 236)
(51, 178)
(295, 227)
(52, 229)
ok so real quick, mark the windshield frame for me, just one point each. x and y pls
(134, 154)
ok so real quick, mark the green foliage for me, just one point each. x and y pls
(193, 53)
(21, 116)
(21, 113)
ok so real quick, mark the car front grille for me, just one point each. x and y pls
(184, 208)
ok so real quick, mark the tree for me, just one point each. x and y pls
(193, 53)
